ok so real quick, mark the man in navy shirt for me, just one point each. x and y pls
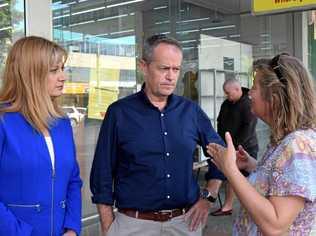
(144, 155)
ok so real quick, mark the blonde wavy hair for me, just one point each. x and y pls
(289, 90)
(25, 76)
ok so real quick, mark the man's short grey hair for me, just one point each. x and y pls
(152, 42)
(231, 81)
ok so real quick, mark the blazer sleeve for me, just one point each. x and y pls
(73, 207)
(10, 225)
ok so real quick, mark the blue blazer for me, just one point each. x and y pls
(35, 201)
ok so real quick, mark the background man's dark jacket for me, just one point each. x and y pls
(240, 122)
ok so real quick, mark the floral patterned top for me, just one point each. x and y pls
(284, 170)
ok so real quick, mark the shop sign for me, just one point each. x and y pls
(274, 6)
(75, 88)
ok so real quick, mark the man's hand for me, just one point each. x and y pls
(69, 232)
(106, 217)
(198, 214)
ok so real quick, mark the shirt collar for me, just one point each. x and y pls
(145, 99)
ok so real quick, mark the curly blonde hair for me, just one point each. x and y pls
(288, 88)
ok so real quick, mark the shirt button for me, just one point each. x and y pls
(168, 196)
(162, 114)
(165, 133)
(168, 176)
(167, 154)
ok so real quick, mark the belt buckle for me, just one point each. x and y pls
(169, 213)
(165, 211)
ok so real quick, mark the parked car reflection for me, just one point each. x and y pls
(75, 114)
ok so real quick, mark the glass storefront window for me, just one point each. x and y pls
(220, 40)
(12, 26)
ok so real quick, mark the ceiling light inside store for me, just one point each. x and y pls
(188, 41)
(161, 7)
(123, 3)
(193, 20)
(82, 23)
(187, 31)
(162, 22)
(112, 17)
(188, 48)
(265, 48)
(122, 32)
(234, 35)
(86, 11)
(4, 5)
(62, 16)
(219, 27)
(97, 35)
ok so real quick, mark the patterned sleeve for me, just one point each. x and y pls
(294, 172)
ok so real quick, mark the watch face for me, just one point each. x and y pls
(204, 193)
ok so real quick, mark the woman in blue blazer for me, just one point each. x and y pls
(40, 186)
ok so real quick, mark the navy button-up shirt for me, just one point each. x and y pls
(148, 154)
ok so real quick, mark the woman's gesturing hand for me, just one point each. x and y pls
(223, 158)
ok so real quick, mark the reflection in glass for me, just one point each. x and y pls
(11, 26)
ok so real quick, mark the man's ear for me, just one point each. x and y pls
(142, 66)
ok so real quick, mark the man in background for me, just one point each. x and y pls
(235, 116)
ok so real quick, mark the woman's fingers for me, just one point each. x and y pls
(231, 152)
(229, 141)
(242, 154)
(214, 150)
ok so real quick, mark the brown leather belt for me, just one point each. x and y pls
(161, 216)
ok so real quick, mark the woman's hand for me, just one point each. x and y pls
(244, 160)
(223, 158)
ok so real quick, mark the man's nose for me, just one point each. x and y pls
(171, 74)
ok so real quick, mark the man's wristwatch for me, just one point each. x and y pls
(205, 194)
